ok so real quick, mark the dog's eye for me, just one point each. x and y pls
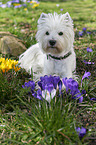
(60, 33)
(47, 33)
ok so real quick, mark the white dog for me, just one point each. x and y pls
(54, 53)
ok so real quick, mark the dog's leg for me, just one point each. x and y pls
(33, 59)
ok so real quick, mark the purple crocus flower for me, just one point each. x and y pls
(48, 85)
(89, 49)
(30, 84)
(19, 6)
(56, 80)
(24, 5)
(80, 33)
(15, 1)
(64, 80)
(72, 86)
(93, 99)
(61, 9)
(60, 86)
(9, 3)
(89, 33)
(83, 91)
(86, 75)
(88, 62)
(84, 29)
(37, 94)
(47, 80)
(80, 97)
(81, 132)
(16, 7)
(9, 6)
(3, 6)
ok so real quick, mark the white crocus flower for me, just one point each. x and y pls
(48, 96)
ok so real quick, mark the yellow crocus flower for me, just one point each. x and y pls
(35, 5)
(7, 64)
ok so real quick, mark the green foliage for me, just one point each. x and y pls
(10, 86)
(42, 123)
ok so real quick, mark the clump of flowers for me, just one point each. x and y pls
(83, 32)
(31, 85)
(8, 64)
(72, 88)
(19, 4)
(89, 51)
(48, 86)
(88, 62)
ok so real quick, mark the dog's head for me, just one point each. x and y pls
(55, 33)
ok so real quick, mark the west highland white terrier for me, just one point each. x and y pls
(54, 53)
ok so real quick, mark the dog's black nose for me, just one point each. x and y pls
(52, 42)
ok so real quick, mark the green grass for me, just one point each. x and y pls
(29, 121)
(41, 124)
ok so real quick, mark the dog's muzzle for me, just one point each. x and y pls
(52, 42)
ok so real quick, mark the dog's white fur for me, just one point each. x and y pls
(49, 28)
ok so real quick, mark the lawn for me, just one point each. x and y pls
(27, 119)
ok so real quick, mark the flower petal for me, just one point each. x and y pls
(86, 75)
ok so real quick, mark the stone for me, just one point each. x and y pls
(9, 44)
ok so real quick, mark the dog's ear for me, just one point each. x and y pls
(42, 17)
(67, 17)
